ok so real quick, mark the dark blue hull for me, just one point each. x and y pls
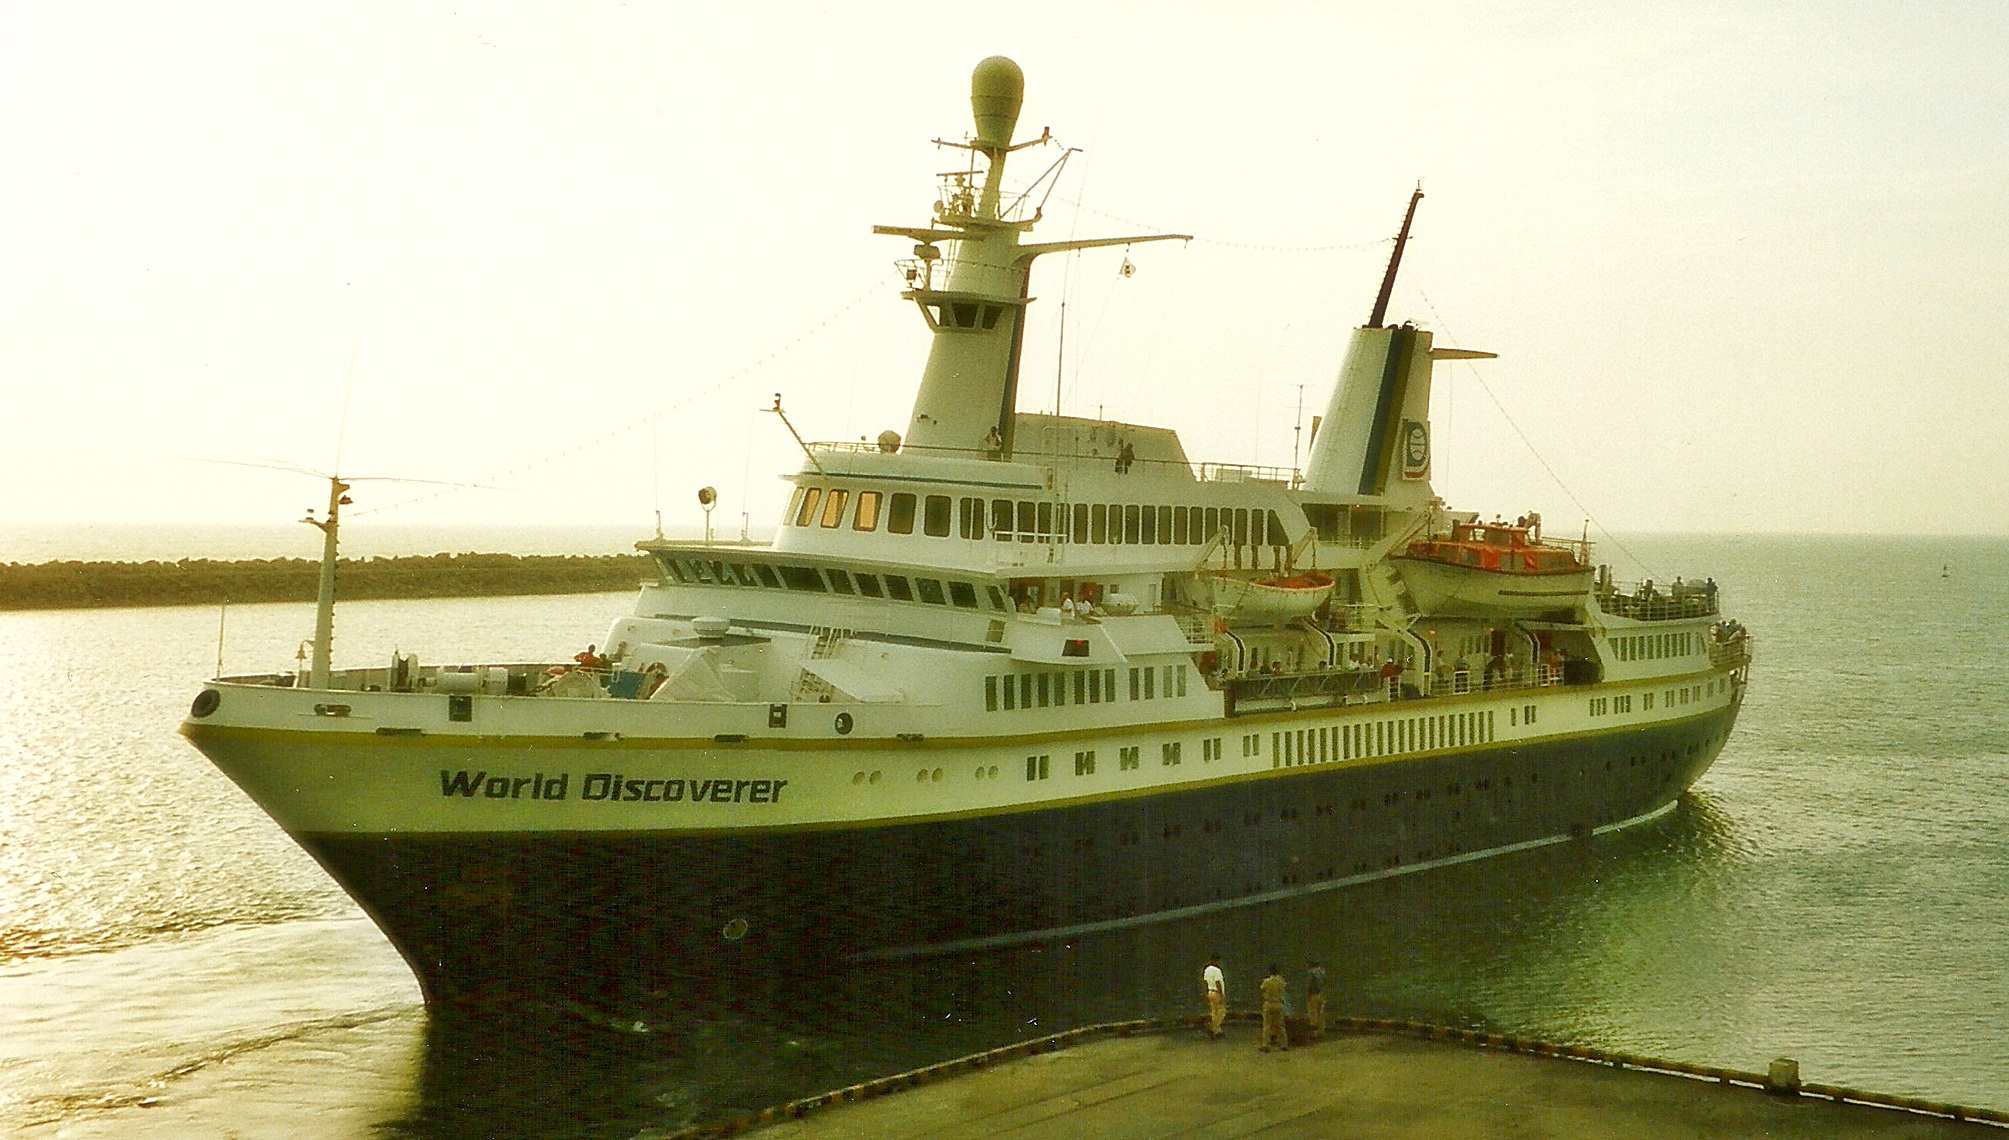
(600, 916)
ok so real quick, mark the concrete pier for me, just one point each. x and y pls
(1349, 1084)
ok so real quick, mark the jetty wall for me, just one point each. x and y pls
(201, 581)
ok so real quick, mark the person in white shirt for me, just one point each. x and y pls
(1217, 996)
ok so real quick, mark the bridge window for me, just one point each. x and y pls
(900, 514)
(970, 518)
(1179, 515)
(897, 588)
(1081, 522)
(840, 582)
(1001, 519)
(1027, 520)
(997, 598)
(936, 518)
(931, 591)
(808, 509)
(963, 594)
(833, 506)
(1148, 524)
(867, 515)
(1131, 533)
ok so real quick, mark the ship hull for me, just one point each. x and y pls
(589, 915)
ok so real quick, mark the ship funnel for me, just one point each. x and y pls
(997, 88)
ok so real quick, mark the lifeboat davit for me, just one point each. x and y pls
(1493, 570)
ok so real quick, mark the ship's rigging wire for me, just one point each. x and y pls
(1530, 445)
(1353, 248)
(655, 417)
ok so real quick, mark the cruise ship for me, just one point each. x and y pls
(1003, 677)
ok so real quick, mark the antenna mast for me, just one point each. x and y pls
(1394, 262)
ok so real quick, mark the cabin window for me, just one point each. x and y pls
(840, 582)
(1028, 515)
(1001, 516)
(808, 509)
(1150, 686)
(1080, 687)
(1043, 687)
(963, 594)
(1213, 523)
(1136, 685)
(868, 585)
(1035, 767)
(931, 591)
(997, 599)
(970, 518)
(1094, 687)
(1256, 534)
(935, 518)
(794, 504)
(900, 514)
(1168, 753)
(897, 588)
(867, 515)
(1010, 695)
(990, 694)
(802, 578)
(1081, 522)
(1278, 535)
(1045, 527)
(1025, 690)
(1084, 763)
(1240, 535)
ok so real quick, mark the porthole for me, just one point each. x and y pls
(873, 778)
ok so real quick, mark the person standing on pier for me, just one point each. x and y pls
(1314, 996)
(1217, 996)
(1273, 1010)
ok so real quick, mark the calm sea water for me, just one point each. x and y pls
(1832, 891)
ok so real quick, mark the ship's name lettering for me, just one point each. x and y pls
(608, 787)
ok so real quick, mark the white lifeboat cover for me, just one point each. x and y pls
(693, 675)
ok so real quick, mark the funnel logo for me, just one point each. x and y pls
(1415, 450)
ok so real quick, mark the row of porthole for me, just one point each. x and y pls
(990, 773)
(924, 776)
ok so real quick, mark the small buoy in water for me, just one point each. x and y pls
(734, 930)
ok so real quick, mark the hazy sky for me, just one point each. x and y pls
(1746, 265)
